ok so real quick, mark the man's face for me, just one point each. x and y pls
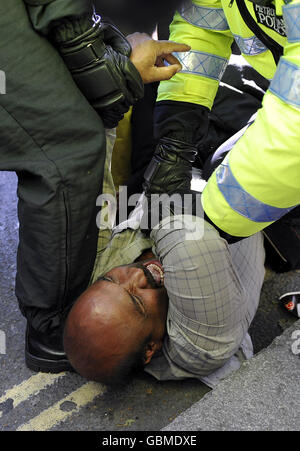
(136, 301)
(139, 284)
(124, 309)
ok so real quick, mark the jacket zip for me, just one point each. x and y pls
(67, 265)
(273, 46)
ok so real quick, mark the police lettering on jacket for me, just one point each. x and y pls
(266, 15)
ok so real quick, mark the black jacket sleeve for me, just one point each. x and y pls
(60, 20)
(183, 121)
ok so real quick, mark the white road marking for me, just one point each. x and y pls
(2, 342)
(48, 418)
(29, 387)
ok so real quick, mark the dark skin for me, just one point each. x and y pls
(113, 316)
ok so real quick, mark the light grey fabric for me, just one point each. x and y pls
(214, 291)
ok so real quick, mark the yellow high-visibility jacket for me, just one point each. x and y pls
(259, 181)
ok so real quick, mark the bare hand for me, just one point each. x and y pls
(149, 57)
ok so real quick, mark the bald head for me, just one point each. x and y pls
(117, 324)
(103, 331)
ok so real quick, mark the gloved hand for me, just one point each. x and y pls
(99, 63)
(170, 169)
(159, 207)
(167, 182)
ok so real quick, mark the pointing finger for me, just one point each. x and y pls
(169, 47)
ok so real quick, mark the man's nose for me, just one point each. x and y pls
(138, 277)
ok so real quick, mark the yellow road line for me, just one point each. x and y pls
(29, 387)
(55, 414)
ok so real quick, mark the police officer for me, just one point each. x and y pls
(67, 76)
(259, 181)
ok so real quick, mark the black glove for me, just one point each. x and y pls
(99, 63)
(170, 169)
(158, 207)
(167, 178)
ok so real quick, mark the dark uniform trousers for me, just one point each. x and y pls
(55, 142)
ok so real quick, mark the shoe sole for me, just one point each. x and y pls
(38, 364)
(291, 293)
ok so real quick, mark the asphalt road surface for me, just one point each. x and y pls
(36, 401)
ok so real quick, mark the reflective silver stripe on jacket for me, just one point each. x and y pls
(209, 18)
(250, 46)
(286, 82)
(291, 14)
(242, 202)
(201, 63)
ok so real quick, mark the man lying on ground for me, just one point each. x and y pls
(177, 303)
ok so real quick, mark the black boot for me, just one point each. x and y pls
(45, 353)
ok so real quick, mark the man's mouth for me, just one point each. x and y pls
(156, 271)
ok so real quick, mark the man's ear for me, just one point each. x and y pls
(152, 347)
